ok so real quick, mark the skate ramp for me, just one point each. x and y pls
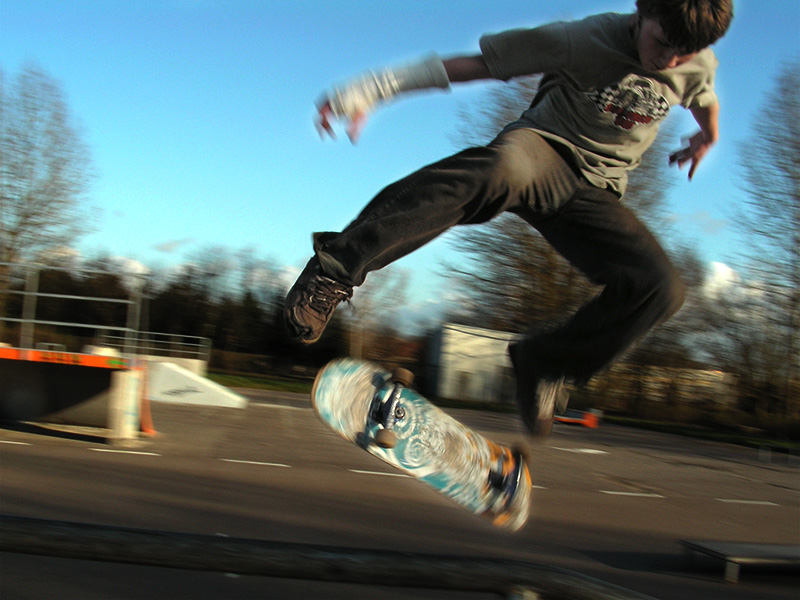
(167, 382)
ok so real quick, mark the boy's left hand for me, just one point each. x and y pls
(698, 146)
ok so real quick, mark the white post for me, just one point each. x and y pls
(123, 407)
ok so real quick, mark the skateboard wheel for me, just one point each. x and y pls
(386, 438)
(403, 376)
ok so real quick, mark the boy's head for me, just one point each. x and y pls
(689, 25)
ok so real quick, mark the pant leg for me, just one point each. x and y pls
(608, 243)
(518, 169)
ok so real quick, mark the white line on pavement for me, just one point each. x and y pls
(752, 502)
(631, 494)
(580, 450)
(255, 462)
(110, 451)
(12, 443)
(280, 406)
(360, 472)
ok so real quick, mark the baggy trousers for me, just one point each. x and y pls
(521, 173)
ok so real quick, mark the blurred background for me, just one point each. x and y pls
(162, 156)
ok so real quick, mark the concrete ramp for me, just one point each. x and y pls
(69, 388)
(167, 382)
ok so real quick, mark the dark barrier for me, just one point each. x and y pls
(513, 579)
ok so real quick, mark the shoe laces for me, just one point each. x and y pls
(324, 294)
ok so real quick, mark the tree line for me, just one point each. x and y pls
(218, 299)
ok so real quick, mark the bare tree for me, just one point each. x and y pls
(762, 328)
(770, 221)
(511, 278)
(376, 303)
(504, 103)
(45, 169)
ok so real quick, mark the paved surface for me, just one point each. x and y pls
(612, 503)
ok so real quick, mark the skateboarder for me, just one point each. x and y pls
(608, 82)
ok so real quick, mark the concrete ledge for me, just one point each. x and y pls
(737, 554)
(301, 561)
(71, 389)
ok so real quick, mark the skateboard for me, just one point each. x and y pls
(378, 411)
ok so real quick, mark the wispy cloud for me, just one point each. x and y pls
(708, 223)
(171, 246)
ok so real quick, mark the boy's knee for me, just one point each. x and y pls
(510, 166)
(674, 294)
(527, 167)
(668, 292)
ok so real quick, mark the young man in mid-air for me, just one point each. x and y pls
(608, 82)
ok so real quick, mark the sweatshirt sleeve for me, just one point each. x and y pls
(520, 52)
(702, 94)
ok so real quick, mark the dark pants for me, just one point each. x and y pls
(521, 173)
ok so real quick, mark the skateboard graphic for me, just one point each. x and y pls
(378, 411)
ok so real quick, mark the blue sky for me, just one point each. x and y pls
(198, 113)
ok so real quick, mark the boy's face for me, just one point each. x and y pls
(655, 52)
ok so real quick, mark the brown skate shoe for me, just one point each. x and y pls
(538, 398)
(311, 301)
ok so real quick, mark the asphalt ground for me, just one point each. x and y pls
(612, 503)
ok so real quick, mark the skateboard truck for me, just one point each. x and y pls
(507, 485)
(388, 412)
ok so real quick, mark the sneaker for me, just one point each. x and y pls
(311, 302)
(539, 398)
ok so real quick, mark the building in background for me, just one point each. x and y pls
(471, 363)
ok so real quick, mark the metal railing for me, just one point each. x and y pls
(151, 343)
(125, 338)
(31, 295)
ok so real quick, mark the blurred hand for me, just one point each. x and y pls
(325, 116)
(698, 146)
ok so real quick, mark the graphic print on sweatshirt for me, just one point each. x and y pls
(633, 101)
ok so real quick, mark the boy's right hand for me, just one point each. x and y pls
(354, 100)
(325, 115)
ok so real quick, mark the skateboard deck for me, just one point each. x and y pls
(379, 412)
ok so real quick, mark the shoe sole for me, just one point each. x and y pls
(296, 339)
